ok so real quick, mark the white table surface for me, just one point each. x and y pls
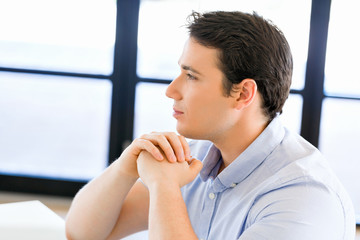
(30, 220)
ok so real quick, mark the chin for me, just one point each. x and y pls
(190, 133)
(183, 131)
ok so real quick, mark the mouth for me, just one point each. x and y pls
(177, 113)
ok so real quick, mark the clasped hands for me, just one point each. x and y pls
(161, 158)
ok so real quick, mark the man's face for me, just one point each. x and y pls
(200, 107)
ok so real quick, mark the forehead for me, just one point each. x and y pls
(199, 56)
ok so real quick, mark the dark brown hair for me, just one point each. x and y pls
(249, 47)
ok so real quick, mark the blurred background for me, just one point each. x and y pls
(79, 79)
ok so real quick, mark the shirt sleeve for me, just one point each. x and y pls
(300, 211)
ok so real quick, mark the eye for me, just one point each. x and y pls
(190, 76)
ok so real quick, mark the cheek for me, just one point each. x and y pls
(206, 109)
(197, 103)
(205, 103)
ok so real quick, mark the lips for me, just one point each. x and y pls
(177, 113)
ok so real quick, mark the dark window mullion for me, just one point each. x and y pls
(124, 76)
(154, 80)
(314, 80)
(343, 97)
(54, 73)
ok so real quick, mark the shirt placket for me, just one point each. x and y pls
(208, 211)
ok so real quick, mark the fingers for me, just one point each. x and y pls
(174, 147)
(164, 144)
(186, 148)
(143, 144)
(177, 143)
(195, 166)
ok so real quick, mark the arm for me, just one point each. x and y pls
(105, 207)
(96, 207)
(134, 213)
(168, 218)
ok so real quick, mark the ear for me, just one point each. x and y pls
(246, 92)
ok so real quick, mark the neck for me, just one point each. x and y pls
(232, 143)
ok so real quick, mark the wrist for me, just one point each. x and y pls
(125, 169)
(162, 185)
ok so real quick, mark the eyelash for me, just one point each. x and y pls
(190, 77)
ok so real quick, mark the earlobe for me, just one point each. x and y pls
(246, 93)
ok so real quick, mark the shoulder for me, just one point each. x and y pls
(295, 156)
(306, 197)
(301, 212)
(302, 192)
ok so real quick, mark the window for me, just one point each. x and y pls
(340, 130)
(343, 50)
(153, 111)
(63, 36)
(53, 126)
(56, 85)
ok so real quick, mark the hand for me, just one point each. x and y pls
(178, 173)
(160, 145)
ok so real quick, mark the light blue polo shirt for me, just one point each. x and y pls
(280, 187)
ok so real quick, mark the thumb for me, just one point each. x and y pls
(193, 170)
(195, 166)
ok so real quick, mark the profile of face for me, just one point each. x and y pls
(200, 107)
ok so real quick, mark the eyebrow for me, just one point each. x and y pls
(185, 67)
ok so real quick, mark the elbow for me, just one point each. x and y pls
(69, 236)
(73, 231)
(69, 231)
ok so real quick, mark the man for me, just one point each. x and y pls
(257, 180)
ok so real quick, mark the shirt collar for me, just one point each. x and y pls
(246, 162)
(211, 163)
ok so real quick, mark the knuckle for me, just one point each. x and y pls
(144, 136)
(172, 134)
(162, 137)
(137, 140)
(140, 142)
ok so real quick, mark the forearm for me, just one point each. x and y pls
(96, 207)
(168, 217)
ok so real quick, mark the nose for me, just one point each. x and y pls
(173, 90)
